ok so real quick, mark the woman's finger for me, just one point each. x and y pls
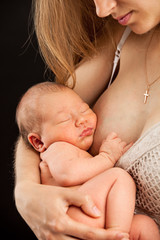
(82, 231)
(58, 222)
(66, 225)
(58, 236)
(85, 202)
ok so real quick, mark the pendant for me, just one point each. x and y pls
(146, 95)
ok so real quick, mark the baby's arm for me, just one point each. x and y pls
(72, 166)
(112, 149)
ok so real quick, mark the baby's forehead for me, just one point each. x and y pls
(64, 96)
(61, 99)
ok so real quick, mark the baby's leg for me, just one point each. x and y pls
(113, 191)
(144, 228)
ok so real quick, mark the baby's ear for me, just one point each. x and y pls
(36, 142)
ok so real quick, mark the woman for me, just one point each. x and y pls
(71, 37)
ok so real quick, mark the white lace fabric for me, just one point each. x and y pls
(142, 162)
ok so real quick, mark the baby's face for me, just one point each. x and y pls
(67, 118)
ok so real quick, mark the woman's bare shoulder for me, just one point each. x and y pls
(92, 75)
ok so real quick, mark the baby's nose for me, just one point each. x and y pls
(81, 120)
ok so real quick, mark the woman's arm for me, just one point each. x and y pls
(34, 201)
(44, 207)
(26, 159)
(27, 177)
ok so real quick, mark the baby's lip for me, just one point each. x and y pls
(87, 132)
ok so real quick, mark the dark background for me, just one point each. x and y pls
(21, 67)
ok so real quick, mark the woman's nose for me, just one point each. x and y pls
(105, 7)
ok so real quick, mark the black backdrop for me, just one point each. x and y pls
(21, 66)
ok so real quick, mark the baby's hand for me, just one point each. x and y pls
(113, 147)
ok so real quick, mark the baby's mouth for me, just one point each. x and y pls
(87, 132)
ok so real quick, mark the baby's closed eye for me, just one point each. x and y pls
(63, 119)
(84, 108)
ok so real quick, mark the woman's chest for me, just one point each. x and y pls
(121, 107)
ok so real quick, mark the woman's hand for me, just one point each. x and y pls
(45, 211)
(45, 207)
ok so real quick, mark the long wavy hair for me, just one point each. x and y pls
(67, 32)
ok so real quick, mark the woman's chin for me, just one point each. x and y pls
(141, 28)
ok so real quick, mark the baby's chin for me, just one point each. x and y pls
(86, 143)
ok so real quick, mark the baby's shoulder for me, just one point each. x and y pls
(59, 150)
(62, 146)
(65, 148)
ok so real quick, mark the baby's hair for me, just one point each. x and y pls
(28, 117)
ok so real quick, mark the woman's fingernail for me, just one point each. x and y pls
(121, 235)
(96, 211)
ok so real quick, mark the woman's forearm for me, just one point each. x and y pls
(26, 170)
(27, 175)
(26, 164)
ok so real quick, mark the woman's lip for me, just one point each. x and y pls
(87, 132)
(123, 20)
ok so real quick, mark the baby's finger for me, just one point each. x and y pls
(123, 144)
(112, 135)
(127, 147)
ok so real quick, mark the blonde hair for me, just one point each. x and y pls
(28, 115)
(67, 31)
